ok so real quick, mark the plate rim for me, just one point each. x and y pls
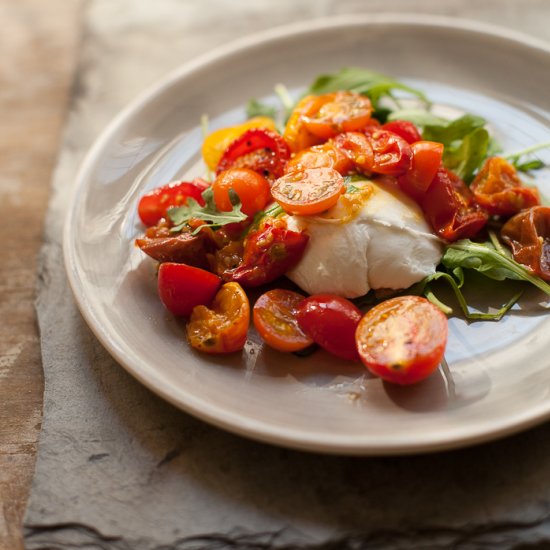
(252, 429)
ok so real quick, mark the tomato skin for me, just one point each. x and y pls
(498, 188)
(154, 205)
(263, 151)
(402, 340)
(426, 161)
(392, 154)
(181, 287)
(310, 191)
(223, 327)
(296, 134)
(331, 322)
(252, 188)
(327, 155)
(274, 316)
(357, 147)
(404, 129)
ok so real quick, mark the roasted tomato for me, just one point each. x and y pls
(338, 112)
(331, 322)
(263, 151)
(296, 133)
(528, 234)
(274, 316)
(218, 141)
(403, 128)
(450, 209)
(425, 162)
(182, 287)
(402, 340)
(327, 155)
(154, 205)
(358, 149)
(392, 154)
(252, 189)
(309, 191)
(499, 190)
(223, 327)
(269, 252)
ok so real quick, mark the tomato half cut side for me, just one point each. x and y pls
(327, 155)
(223, 327)
(331, 322)
(392, 154)
(274, 316)
(403, 128)
(310, 191)
(402, 340)
(357, 148)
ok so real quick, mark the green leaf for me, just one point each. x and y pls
(180, 215)
(521, 165)
(256, 108)
(419, 117)
(466, 157)
(450, 131)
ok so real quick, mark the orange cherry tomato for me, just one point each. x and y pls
(251, 187)
(309, 191)
(296, 134)
(403, 339)
(274, 317)
(357, 147)
(327, 155)
(338, 112)
(223, 327)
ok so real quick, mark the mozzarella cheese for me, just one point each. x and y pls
(374, 238)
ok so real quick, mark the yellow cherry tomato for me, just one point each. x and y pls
(217, 142)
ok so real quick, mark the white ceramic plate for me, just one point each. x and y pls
(498, 380)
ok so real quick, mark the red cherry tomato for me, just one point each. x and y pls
(392, 154)
(252, 188)
(402, 340)
(181, 287)
(274, 316)
(327, 155)
(153, 205)
(330, 321)
(263, 151)
(358, 148)
(403, 128)
(426, 161)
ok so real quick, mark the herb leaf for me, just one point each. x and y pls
(521, 165)
(180, 215)
(468, 155)
(256, 108)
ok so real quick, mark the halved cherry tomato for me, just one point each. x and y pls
(402, 340)
(218, 141)
(357, 147)
(181, 287)
(498, 188)
(338, 112)
(263, 151)
(528, 234)
(252, 189)
(392, 154)
(330, 321)
(269, 252)
(450, 209)
(426, 161)
(296, 134)
(309, 191)
(223, 327)
(153, 205)
(327, 155)
(403, 128)
(274, 316)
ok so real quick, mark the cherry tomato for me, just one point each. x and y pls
(218, 141)
(450, 209)
(181, 287)
(426, 161)
(296, 133)
(327, 155)
(403, 128)
(274, 316)
(357, 147)
(309, 191)
(498, 188)
(153, 205)
(263, 151)
(392, 154)
(402, 340)
(223, 327)
(252, 189)
(528, 234)
(338, 112)
(269, 252)
(330, 321)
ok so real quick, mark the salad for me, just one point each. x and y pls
(367, 206)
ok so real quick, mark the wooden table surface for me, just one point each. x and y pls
(39, 49)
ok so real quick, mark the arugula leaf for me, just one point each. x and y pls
(419, 117)
(450, 131)
(527, 165)
(256, 108)
(180, 215)
(466, 157)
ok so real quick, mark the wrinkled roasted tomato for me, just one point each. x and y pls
(392, 154)
(528, 234)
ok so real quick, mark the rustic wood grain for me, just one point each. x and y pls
(39, 46)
